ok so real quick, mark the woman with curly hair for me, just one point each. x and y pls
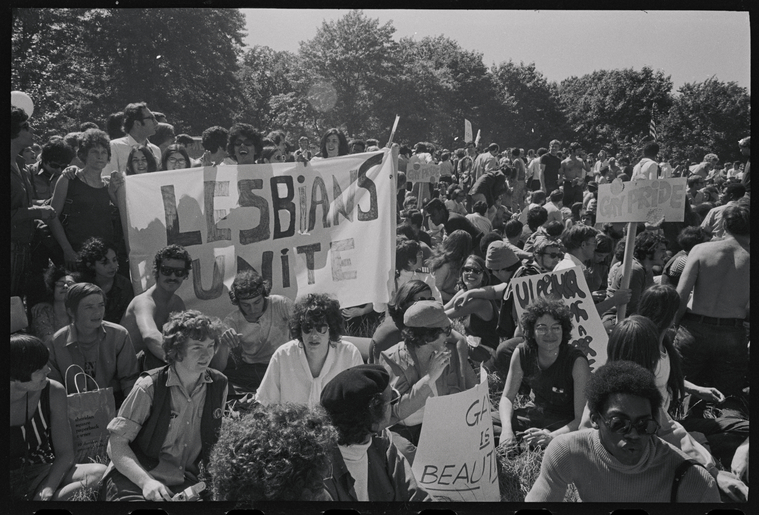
(333, 144)
(97, 263)
(244, 144)
(275, 453)
(366, 464)
(425, 363)
(299, 369)
(83, 203)
(447, 260)
(141, 160)
(50, 315)
(555, 371)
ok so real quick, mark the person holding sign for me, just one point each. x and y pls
(424, 364)
(555, 371)
(621, 459)
(41, 455)
(366, 464)
(299, 369)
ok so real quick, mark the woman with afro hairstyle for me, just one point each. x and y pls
(299, 369)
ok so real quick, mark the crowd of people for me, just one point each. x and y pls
(272, 403)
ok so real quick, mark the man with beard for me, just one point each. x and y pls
(148, 311)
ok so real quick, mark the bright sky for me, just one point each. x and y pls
(690, 46)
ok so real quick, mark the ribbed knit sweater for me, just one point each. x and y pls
(580, 458)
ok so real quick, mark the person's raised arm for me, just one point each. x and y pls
(63, 443)
(487, 293)
(506, 405)
(479, 307)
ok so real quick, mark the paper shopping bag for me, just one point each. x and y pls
(89, 414)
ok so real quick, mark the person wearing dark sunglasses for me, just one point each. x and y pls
(366, 464)
(621, 459)
(56, 155)
(149, 311)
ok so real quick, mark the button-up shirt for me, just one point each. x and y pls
(114, 357)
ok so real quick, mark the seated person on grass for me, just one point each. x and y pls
(257, 328)
(170, 421)
(620, 459)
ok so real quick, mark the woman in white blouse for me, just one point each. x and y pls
(299, 369)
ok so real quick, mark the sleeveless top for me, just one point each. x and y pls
(485, 329)
(87, 214)
(31, 444)
(553, 388)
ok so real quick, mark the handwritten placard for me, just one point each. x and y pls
(642, 201)
(456, 457)
(423, 172)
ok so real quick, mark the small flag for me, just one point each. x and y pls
(652, 124)
(467, 131)
(477, 139)
(392, 132)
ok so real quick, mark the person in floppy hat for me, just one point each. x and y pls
(366, 464)
(424, 364)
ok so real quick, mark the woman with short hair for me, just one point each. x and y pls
(299, 369)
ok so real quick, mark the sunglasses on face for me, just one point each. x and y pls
(442, 330)
(320, 328)
(623, 426)
(471, 270)
(168, 271)
(247, 143)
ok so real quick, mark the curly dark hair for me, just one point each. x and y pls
(243, 131)
(575, 235)
(247, 283)
(56, 150)
(623, 377)
(646, 243)
(404, 298)
(92, 251)
(275, 453)
(353, 426)
(214, 138)
(314, 309)
(52, 274)
(406, 251)
(90, 139)
(18, 117)
(543, 306)
(183, 325)
(27, 355)
(171, 252)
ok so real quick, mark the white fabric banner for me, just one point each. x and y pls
(324, 227)
(456, 456)
(569, 286)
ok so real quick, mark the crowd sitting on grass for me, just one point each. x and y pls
(274, 402)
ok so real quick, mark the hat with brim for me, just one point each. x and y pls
(426, 313)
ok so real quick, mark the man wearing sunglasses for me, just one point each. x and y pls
(149, 311)
(621, 459)
(56, 155)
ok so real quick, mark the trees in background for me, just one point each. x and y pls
(82, 64)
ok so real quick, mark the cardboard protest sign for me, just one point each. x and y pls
(569, 286)
(423, 172)
(467, 130)
(456, 455)
(642, 201)
(325, 227)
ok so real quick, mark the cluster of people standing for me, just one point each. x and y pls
(274, 403)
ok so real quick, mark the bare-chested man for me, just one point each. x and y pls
(572, 169)
(148, 311)
(711, 336)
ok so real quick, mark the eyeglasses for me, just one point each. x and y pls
(309, 328)
(471, 270)
(64, 284)
(169, 271)
(553, 255)
(175, 160)
(543, 329)
(623, 426)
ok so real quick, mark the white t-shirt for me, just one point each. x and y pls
(646, 169)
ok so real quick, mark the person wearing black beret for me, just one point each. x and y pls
(366, 465)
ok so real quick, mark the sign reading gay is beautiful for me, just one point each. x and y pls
(569, 286)
(642, 201)
(324, 227)
(456, 456)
